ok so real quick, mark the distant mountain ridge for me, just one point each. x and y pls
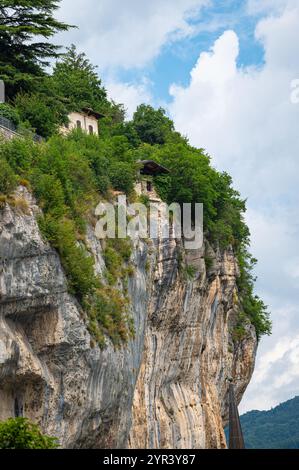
(277, 428)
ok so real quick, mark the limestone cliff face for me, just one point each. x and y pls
(166, 389)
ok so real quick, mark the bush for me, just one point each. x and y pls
(9, 112)
(20, 433)
(78, 264)
(253, 307)
(49, 191)
(122, 177)
(152, 126)
(107, 314)
(8, 179)
(40, 112)
(22, 154)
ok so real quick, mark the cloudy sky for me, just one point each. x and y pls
(223, 70)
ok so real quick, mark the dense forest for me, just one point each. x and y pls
(70, 175)
(277, 428)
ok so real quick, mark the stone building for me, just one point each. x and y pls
(144, 185)
(87, 120)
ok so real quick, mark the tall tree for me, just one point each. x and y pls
(76, 79)
(22, 53)
(152, 125)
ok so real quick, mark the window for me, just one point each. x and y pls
(79, 125)
(149, 186)
(90, 130)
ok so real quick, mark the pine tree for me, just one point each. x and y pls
(22, 58)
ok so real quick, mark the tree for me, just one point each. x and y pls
(20, 433)
(152, 126)
(75, 79)
(43, 111)
(122, 176)
(21, 56)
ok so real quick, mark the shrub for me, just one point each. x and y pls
(8, 179)
(253, 307)
(122, 176)
(49, 191)
(189, 272)
(152, 126)
(20, 433)
(77, 263)
(22, 154)
(39, 111)
(9, 112)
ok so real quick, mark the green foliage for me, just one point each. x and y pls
(151, 125)
(192, 180)
(107, 314)
(253, 307)
(240, 332)
(77, 262)
(117, 254)
(122, 176)
(41, 112)
(127, 130)
(9, 112)
(20, 433)
(50, 194)
(22, 51)
(144, 199)
(20, 153)
(190, 271)
(75, 79)
(64, 174)
(8, 179)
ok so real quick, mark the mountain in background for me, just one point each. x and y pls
(277, 428)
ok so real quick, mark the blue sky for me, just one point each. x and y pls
(176, 59)
(223, 71)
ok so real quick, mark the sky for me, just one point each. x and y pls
(225, 71)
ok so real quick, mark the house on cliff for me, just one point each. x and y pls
(87, 120)
(148, 169)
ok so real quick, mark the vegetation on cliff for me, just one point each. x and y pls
(70, 174)
(20, 433)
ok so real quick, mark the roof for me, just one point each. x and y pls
(93, 113)
(150, 167)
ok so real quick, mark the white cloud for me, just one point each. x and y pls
(269, 6)
(127, 33)
(246, 121)
(131, 95)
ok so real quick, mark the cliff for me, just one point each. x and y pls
(167, 388)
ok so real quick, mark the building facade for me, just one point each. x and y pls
(87, 120)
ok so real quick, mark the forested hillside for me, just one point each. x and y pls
(277, 428)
